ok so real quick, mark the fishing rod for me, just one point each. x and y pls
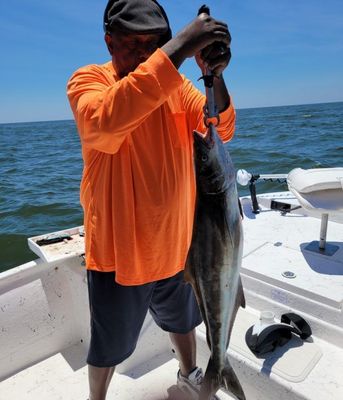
(245, 178)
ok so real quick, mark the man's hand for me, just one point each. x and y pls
(215, 58)
(201, 34)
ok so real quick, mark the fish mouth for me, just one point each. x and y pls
(204, 138)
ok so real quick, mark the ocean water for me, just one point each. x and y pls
(41, 165)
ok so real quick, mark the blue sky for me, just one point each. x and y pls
(284, 52)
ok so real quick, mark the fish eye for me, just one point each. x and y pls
(204, 157)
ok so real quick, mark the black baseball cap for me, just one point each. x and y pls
(137, 16)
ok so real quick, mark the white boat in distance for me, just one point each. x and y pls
(44, 318)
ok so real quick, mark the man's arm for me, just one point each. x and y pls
(216, 58)
(106, 113)
(201, 33)
(221, 94)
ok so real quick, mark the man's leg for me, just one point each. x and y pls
(114, 328)
(185, 349)
(175, 309)
(99, 380)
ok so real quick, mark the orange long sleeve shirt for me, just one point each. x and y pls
(138, 186)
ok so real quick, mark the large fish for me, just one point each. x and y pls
(214, 257)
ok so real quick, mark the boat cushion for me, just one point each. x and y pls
(314, 180)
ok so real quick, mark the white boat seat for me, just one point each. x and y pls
(320, 192)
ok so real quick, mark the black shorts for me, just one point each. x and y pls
(118, 312)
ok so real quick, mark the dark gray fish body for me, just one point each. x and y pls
(214, 257)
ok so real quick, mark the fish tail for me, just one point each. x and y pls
(230, 381)
(226, 380)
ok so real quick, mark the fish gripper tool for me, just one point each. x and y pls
(211, 115)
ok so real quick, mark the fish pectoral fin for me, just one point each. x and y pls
(188, 273)
(226, 380)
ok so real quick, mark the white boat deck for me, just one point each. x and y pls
(64, 376)
(44, 323)
(296, 368)
(275, 243)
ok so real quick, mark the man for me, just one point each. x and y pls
(135, 116)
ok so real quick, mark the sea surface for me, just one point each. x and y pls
(41, 165)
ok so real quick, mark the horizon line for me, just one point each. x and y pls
(236, 108)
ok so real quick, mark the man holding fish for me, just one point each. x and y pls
(135, 116)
